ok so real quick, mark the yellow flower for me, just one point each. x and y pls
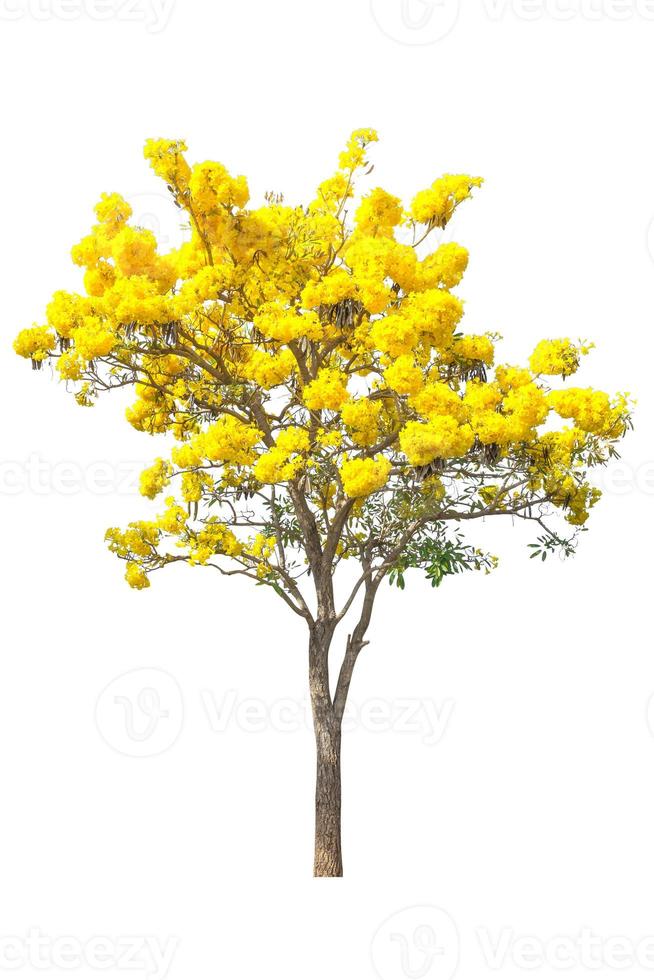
(437, 399)
(362, 477)
(113, 211)
(93, 338)
(281, 345)
(592, 411)
(556, 357)
(285, 460)
(361, 417)
(474, 348)
(436, 204)
(229, 441)
(166, 157)
(136, 577)
(153, 480)
(442, 438)
(403, 376)
(354, 154)
(35, 342)
(445, 267)
(329, 390)
(212, 187)
(268, 370)
(378, 213)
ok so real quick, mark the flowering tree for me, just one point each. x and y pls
(324, 405)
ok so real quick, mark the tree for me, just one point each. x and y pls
(325, 407)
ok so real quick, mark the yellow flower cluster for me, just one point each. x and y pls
(328, 390)
(438, 399)
(378, 213)
(286, 459)
(361, 418)
(283, 344)
(261, 548)
(35, 342)
(139, 541)
(474, 348)
(155, 478)
(329, 290)
(113, 211)
(195, 484)
(426, 318)
(135, 577)
(173, 520)
(592, 411)
(212, 187)
(228, 441)
(268, 370)
(354, 154)
(576, 499)
(403, 376)
(361, 477)
(277, 322)
(437, 204)
(214, 539)
(556, 357)
(166, 157)
(446, 265)
(443, 437)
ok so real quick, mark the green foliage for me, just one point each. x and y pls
(439, 557)
(552, 544)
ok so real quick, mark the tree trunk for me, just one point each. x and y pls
(328, 860)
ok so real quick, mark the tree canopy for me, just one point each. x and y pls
(325, 402)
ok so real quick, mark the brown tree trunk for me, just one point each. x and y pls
(328, 860)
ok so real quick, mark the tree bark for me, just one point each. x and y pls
(328, 859)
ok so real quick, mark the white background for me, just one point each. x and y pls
(532, 815)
